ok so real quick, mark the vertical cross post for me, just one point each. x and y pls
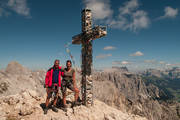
(85, 38)
(86, 55)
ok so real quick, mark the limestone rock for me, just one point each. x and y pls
(28, 108)
(16, 78)
(127, 92)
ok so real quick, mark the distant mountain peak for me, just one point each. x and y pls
(16, 68)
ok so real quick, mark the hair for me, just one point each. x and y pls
(57, 60)
(69, 61)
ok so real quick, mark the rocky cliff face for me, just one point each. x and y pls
(128, 92)
(168, 82)
(16, 78)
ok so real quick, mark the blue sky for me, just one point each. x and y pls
(141, 33)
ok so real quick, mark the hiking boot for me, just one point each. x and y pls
(64, 108)
(45, 110)
(54, 109)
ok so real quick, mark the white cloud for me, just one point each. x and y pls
(130, 17)
(121, 62)
(102, 56)
(138, 53)
(129, 7)
(100, 8)
(109, 48)
(19, 6)
(169, 12)
(140, 20)
(125, 62)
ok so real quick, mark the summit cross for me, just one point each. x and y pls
(85, 39)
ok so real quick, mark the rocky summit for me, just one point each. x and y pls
(27, 105)
(118, 95)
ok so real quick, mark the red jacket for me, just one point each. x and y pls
(49, 77)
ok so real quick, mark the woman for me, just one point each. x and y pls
(69, 81)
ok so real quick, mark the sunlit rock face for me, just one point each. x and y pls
(127, 92)
(16, 78)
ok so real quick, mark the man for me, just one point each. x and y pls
(53, 82)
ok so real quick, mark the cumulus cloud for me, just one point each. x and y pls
(129, 7)
(125, 62)
(140, 21)
(18, 6)
(121, 62)
(102, 56)
(169, 12)
(101, 9)
(129, 17)
(138, 53)
(109, 48)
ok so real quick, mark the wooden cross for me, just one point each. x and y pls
(85, 38)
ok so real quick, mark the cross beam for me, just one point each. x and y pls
(85, 38)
